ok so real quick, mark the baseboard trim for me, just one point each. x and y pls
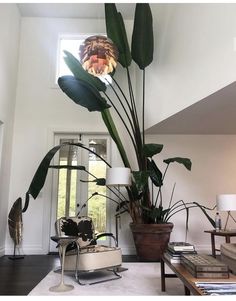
(26, 250)
(2, 251)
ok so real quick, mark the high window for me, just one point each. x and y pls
(71, 44)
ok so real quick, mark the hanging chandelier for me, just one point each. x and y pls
(98, 55)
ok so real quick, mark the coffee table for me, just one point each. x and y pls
(187, 279)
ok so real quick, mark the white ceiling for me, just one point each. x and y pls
(72, 10)
(213, 115)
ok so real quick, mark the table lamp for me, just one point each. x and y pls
(120, 177)
(226, 202)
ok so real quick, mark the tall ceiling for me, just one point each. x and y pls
(72, 10)
(214, 114)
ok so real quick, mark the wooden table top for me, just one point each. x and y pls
(189, 280)
(222, 232)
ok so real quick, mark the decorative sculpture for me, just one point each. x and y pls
(15, 225)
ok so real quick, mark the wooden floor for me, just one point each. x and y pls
(20, 276)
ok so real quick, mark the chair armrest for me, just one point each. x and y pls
(99, 235)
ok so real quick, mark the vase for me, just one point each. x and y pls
(151, 240)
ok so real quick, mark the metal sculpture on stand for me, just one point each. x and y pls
(15, 225)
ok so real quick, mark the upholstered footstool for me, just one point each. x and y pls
(228, 255)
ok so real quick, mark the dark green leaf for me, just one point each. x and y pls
(185, 161)
(76, 68)
(82, 93)
(117, 33)
(152, 149)
(141, 179)
(206, 214)
(142, 38)
(100, 181)
(114, 135)
(41, 173)
(155, 173)
(70, 167)
(125, 58)
(122, 205)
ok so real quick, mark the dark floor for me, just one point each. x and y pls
(20, 276)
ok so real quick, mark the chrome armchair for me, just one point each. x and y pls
(85, 255)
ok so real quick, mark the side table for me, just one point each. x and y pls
(225, 233)
(63, 242)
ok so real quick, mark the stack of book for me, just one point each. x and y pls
(176, 249)
(204, 266)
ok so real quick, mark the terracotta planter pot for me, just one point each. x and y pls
(151, 240)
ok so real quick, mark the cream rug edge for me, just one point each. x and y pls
(141, 279)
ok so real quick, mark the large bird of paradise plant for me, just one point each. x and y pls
(143, 204)
(90, 92)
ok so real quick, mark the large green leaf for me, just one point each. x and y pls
(117, 33)
(69, 167)
(98, 181)
(152, 149)
(155, 173)
(82, 93)
(76, 68)
(185, 161)
(106, 115)
(41, 173)
(141, 179)
(142, 37)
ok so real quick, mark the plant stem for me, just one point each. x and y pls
(126, 113)
(136, 130)
(139, 142)
(172, 193)
(125, 125)
(191, 205)
(123, 94)
(132, 97)
(143, 113)
(160, 197)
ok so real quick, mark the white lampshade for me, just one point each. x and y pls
(118, 176)
(226, 202)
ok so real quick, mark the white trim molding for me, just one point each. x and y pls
(2, 251)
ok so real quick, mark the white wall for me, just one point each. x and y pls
(213, 172)
(194, 56)
(9, 37)
(42, 109)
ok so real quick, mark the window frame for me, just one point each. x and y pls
(66, 36)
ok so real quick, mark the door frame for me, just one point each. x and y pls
(54, 179)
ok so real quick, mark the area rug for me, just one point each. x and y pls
(140, 279)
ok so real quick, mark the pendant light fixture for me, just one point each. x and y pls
(98, 55)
